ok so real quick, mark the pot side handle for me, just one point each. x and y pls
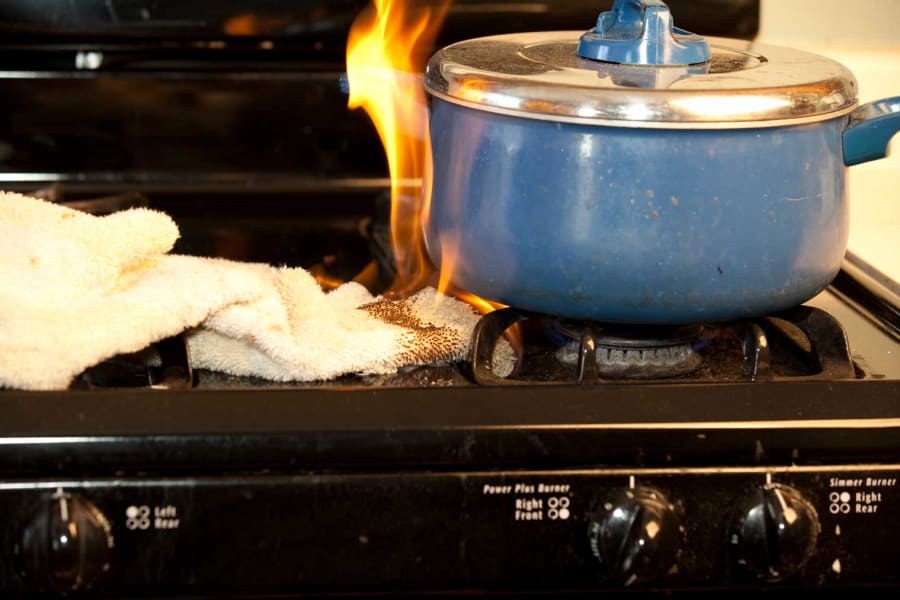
(870, 131)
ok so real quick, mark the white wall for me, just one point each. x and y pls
(858, 23)
(864, 35)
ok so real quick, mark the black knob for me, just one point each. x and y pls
(66, 544)
(636, 536)
(774, 532)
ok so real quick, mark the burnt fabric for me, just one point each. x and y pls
(80, 289)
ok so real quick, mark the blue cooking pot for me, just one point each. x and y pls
(640, 174)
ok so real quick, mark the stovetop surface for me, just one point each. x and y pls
(849, 332)
(339, 237)
(442, 416)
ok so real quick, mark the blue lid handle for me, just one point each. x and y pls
(642, 32)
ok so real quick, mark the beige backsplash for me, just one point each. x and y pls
(864, 36)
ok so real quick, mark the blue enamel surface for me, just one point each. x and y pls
(636, 225)
(641, 32)
(871, 128)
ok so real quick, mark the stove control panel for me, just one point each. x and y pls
(680, 529)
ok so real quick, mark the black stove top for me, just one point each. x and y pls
(667, 426)
(847, 333)
(721, 457)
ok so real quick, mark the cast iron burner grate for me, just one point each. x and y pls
(803, 343)
(166, 365)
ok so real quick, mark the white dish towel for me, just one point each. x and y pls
(78, 289)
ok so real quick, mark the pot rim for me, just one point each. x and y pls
(745, 85)
(636, 124)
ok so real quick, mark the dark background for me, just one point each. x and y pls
(224, 94)
(328, 20)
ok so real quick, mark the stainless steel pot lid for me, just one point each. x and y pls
(724, 83)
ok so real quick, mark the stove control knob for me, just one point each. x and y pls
(66, 545)
(636, 535)
(774, 532)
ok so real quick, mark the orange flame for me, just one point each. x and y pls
(247, 24)
(513, 335)
(384, 59)
(449, 244)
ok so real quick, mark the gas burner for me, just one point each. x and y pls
(637, 352)
(801, 344)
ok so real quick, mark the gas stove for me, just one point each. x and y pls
(754, 455)
(745, 455)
